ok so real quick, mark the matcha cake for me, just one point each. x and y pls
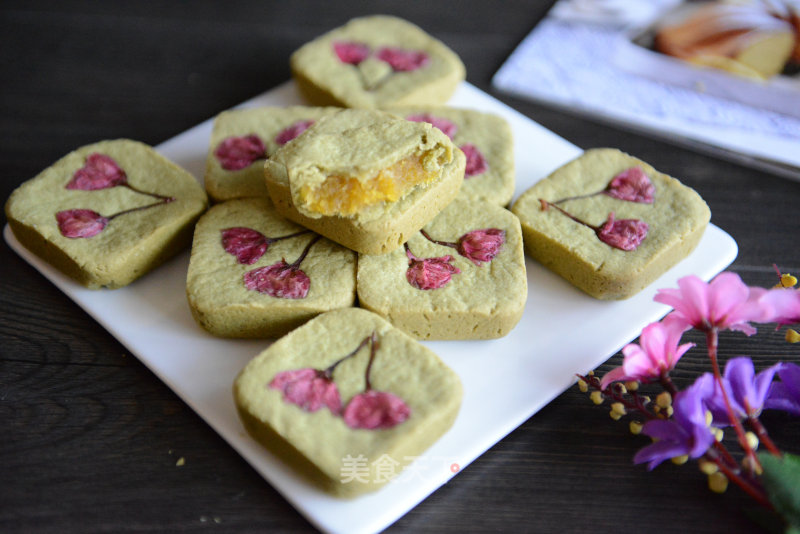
(107, 213)
(365, 179)
(252, 273)
(461, 277)
(375, 62)
(347, 400)
(610, 223)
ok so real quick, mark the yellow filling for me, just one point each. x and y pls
(347, 195)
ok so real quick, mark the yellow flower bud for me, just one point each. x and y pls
(752, 440)
(707, 467)
(635, 427)
(619, 408)
(664, 399)
(717, 482)
(596, 397)
(582, 385)
(632, 385)
(621, 389)
(787, 280)
(669, 411)
(792, 336)
(616, 416)
(719, 434)
(709, 417)
(680, 460)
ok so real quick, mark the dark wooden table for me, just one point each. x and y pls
(89, 438)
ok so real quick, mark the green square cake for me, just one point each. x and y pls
(347, 400)
(365, 179)
(375, 62)
(254, 274)
(107, 213)
(242, 139)
(610, 223)
(487, 143)
(461, 277)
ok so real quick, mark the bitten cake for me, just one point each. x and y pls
(461, 277)
(107, 213)
(375, 62)
(347, 400)
(252, 273)
(242, 139)
(365, 179)
(610, 223)
(487, 143)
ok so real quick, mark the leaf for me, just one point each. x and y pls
(781, 479)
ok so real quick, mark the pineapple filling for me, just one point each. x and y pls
(347, 195)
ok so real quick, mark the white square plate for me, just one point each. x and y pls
(505, 381)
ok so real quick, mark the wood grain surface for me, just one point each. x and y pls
(90, 439)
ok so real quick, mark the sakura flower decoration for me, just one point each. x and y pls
(447, 127)
(402, 60)
(785, 394)
(351, 52)
(293, 131)
(248, 245)
(429, 273)
(478, 246)
(686, 433)
(281, 280)
(624, 234)
(656, 354)
(724, 303)
(310, 389)
(236, 153)
(80, 223)
(99, 172)
(375, 410)
(476, 163)
(632, 185)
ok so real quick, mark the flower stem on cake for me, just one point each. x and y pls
(631, 185)
(84, 223)
(478, 246)
(281, 280)
(624, 234)
(102, 172)
(429, 273)
(248, 245)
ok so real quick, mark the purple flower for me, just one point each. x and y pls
(632, 185)
(476, 163)
(785, 395)
(291, 132)
(309, 389)
(685, 434)
(447, 127)
(429, 273)
(80, 223)
(402, 60)
(99, 172)
(624, 234)
(236, 153)
(375, 410)
(351, 52)
(481, 246)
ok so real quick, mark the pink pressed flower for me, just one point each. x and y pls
(309, 389)
(624, 234)
(375, 410)
(447, 127)
(236, 153)
(402, 60)
(280, 280)
(287, 134)
(350, 52)
(246, 244)
(480, 246)
(632, 185)
(725, 303)
(80, 223)
(99, 172)
(429, 273)
(476, 163)
(657, 353)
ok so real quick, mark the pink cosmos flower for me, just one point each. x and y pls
(476, 163)
(99, 172)
(402, 60)
(246, 244)
(429, 273)
(375, 410)
(351, 52)
(481, 246)
(80, 223)
(624, 234)
(657, 353)
(291, 132)
(725, 303)
(280, 280)
(236, 153)
(447, 127)
(632, 185)
(309, 389)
